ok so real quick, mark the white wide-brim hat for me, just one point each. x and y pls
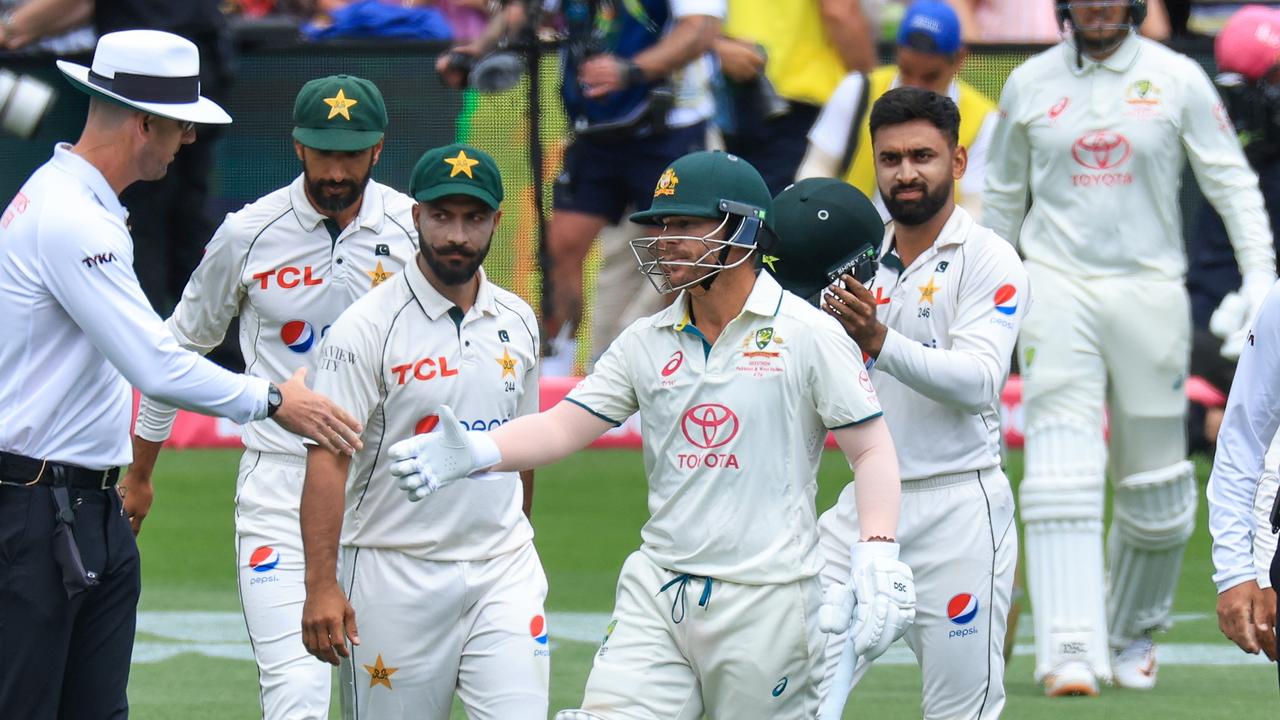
(148, 70)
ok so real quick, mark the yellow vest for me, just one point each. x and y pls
(803, 65)
(974, 107)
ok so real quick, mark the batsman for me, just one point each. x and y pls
(737, 384)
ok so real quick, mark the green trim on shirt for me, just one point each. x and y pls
(332, 226)
(858, 422)
(607, 419)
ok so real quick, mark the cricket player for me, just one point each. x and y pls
(449, 594)
(287, 265)
(940, 328)
(1097, 130)
(1246, 611)
(737, 384)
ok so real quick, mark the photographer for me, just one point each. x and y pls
(636, 91)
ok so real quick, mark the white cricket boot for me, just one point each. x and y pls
(1134, 667)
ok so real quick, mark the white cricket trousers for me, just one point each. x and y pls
(429, 629)
(957, 534)
(293, 685)
(680, 646)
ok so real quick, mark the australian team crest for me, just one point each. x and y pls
(763, 337)
(667, 183)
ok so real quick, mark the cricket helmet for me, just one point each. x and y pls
(823, 228)
(706, 184)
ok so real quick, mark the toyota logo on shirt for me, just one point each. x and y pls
(1102, 150)
(709, 425)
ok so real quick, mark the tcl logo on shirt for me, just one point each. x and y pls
(287, 278)
(1102, 151)
(707, 427)
(424, 369)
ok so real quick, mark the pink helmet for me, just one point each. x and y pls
(1249, 43)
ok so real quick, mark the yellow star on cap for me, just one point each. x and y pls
(927, 291)
(378, 274)
(339, 105)
(380, 674)
(508, 363)
(769, 260)
(461, 164)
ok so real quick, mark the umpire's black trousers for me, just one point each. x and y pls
(65, 659)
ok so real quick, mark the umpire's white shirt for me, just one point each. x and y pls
(76, 330)
(1250, 423)
(953, 319)
(391, 360)
(1101, 150)
(275, 265)
(733, 433)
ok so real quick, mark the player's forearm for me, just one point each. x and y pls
(849, 33)
(690, 39)
(877, 482)
(959, 379)
(321, 514)
(532, 441)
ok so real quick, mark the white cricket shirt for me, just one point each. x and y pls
(76, 330)
(1250, 423)
(1101, 151)
(391, 360)
(733, 432)
(276, 265)
(953, 319)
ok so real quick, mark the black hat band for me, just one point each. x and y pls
(149, 88)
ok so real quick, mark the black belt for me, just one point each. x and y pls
(21, 470)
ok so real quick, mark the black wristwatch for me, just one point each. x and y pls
(634, 75)
(274, 399)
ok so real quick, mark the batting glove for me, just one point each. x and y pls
(428, 462)
(879, 604)
(1234, 316)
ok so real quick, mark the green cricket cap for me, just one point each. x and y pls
(340, 112)
(697, 184)
(456, 170)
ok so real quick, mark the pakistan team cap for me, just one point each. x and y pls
(456, 170)
(695, 185)
(930, 26)
(340, 112)
(823, 227)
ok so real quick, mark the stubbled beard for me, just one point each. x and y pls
(351, 191)
(918, 212)
(453, 274)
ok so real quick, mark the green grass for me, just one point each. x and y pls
(588, 511)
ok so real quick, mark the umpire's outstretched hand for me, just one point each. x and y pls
(313, 415)
(327, 621)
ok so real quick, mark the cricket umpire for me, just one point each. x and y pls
(77, 333)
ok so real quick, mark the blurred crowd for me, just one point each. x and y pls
(785, 85)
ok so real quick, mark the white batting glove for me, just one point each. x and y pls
(883, 600)
(1234, 316)
(428, 462)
